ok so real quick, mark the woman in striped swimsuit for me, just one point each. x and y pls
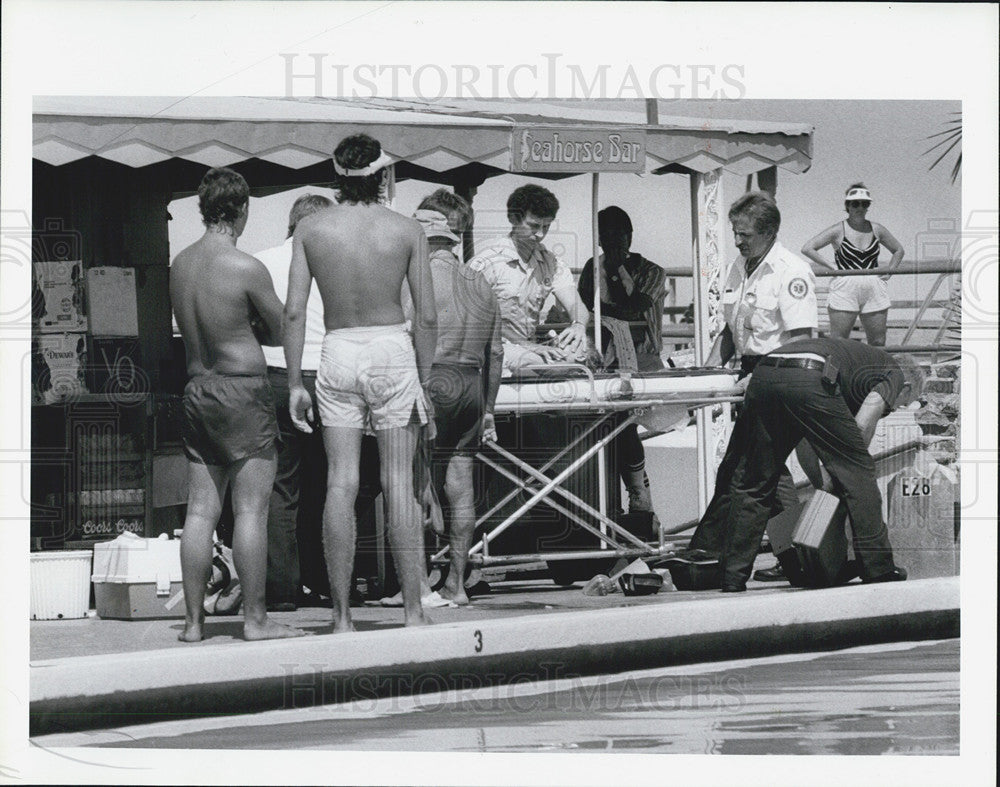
(856, 244)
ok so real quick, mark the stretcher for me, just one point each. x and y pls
(591, 410)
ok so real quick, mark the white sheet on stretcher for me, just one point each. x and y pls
(578, 389)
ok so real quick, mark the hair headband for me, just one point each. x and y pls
(381, 162)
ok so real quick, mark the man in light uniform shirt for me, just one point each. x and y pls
(769, 296)
(769, 299)
(522, 273)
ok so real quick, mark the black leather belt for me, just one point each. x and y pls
(802, 363)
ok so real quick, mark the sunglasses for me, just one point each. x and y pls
(858, 203)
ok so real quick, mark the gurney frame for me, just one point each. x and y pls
(615, 540)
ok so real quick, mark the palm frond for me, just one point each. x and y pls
(952, 137)
(951, 132)
(946, 152)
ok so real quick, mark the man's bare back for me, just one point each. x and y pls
(360, 256)
(360, 253)
(229, 423)
(213, 287)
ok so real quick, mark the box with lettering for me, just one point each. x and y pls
(58, 297)
(58, 367)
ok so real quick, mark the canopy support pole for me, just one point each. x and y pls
(602, 480)
(595, 252)
(707, 244)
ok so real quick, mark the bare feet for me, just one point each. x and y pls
(269, 629)
(343, 626)
(411, 621)
(459, 597)
(192, 632)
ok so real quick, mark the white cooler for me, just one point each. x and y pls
(60, 584)
(138, 577)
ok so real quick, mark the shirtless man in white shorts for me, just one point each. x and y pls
(371, 369)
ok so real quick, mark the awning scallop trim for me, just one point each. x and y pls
(139, 131)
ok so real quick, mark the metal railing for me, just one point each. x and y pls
(943, 269)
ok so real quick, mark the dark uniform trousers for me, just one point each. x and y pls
(295, 551)
(711, 531)
(783, 406)
(301, 470)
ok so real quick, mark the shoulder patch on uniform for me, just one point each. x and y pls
(798, 288)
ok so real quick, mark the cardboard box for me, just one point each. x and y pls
(115, 367)
(138, 578)
(112, 302)
(58, 367)
(59, 288)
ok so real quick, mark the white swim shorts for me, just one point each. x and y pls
(367, 379)
(864, 294)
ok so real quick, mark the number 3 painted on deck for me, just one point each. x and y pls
(479, 640)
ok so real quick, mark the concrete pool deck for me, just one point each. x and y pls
(92, 673)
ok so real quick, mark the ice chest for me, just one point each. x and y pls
(60, 585)
(138, 577)
(818, 555)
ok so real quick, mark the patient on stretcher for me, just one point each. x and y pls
(522, 359)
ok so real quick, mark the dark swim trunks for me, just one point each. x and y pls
(228, 418)
(458, 395)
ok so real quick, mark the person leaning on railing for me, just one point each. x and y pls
(632, 289)
(856, 244)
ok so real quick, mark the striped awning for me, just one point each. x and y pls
(440, 136)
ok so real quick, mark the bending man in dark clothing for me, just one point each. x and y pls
(831, 393)
(218, 293)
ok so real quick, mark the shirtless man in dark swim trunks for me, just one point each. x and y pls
(230, 428)
(465, 376)
(371, 369)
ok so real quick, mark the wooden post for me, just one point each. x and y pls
(652, 112)
(467, 191)
(767, 180)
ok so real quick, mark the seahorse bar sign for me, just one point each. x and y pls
(575, 149)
